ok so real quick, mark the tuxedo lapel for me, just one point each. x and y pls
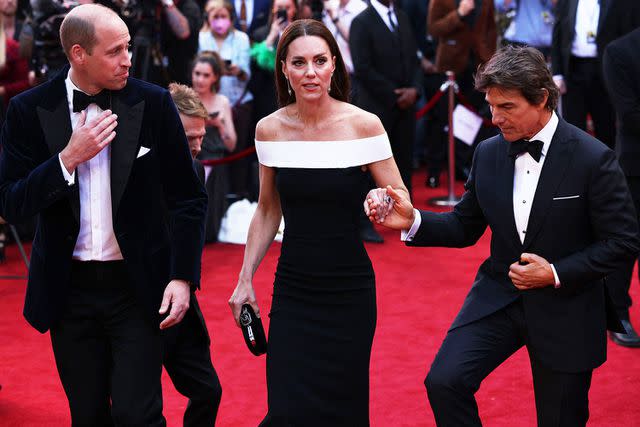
(124, 146)
(553, 172)
(56, 127)
(573, 11)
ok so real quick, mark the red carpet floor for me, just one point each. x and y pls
(419, 293)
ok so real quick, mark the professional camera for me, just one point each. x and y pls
(48, 55)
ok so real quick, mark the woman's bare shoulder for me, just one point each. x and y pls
(365, 123)
(270, 128)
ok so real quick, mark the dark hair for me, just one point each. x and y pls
(215, 62)
(309, 27)
(521, 68)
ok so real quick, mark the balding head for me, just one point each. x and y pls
(79, 26)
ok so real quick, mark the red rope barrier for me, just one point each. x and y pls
(228, 159)
(464, 101)
(429, 105)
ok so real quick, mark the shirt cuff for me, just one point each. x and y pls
(407, 235)
(70, 178)
(555, 277)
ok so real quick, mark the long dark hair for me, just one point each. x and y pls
(310, 27)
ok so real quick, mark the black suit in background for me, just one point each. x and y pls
(103, 316)
(586, 92)
(622, 74)
(584, 237)
(384, 61)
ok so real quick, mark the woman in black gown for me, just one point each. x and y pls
(313, 153)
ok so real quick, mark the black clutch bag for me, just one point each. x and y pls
(253, 331)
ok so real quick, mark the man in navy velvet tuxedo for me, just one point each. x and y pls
(103, 162)
(561, 219)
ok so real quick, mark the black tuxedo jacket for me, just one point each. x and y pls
(622, 76)
(617, 18)
(582, 221)
(383, 61)
(157, 200)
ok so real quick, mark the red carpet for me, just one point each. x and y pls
(419, 293)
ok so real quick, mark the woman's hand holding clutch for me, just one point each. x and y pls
(243, 294)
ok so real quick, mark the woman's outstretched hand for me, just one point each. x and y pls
(390, 208)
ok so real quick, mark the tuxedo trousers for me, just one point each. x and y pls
(108, 352)
(187, 360)
(471, 352)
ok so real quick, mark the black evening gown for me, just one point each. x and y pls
(323, 313)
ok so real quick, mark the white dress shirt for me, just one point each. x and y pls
(345, 15)
(525, 182)
(383, 11)
(96, 239)
(587, 16)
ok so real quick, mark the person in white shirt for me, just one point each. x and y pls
(561, 219)
(103, 162)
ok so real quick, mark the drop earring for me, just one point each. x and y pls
(288, 86)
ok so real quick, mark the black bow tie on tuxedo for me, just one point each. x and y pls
(81, 100)
(521, 146)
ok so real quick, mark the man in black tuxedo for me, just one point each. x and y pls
(581, 31)
(621, 70)
(102, 160)
(561, 219)
(388, 75)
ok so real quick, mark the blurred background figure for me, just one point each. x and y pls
(531, 22)
(250, 14)
(388, 75)
(263, 56)
(220, 137)
(219, 35)
(581, 32)
(621, 70)
(14, 70)
(466, 33)
(338, 16)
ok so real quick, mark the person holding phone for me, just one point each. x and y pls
(220, 137)
(219, 35)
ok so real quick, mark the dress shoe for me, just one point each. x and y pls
(433, 181)
(630, 339)
(369, 234)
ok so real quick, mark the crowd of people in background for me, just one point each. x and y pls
(225, 51)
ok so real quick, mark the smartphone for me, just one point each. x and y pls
(214, 114)
(281, 15)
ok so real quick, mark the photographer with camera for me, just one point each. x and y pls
(166, 40)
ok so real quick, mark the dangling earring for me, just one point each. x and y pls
(330, 80)
(288, 86)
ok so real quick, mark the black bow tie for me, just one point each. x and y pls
(521, 146)
(81, 100)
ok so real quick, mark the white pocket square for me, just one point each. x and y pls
(577, 196)
(143, 150)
